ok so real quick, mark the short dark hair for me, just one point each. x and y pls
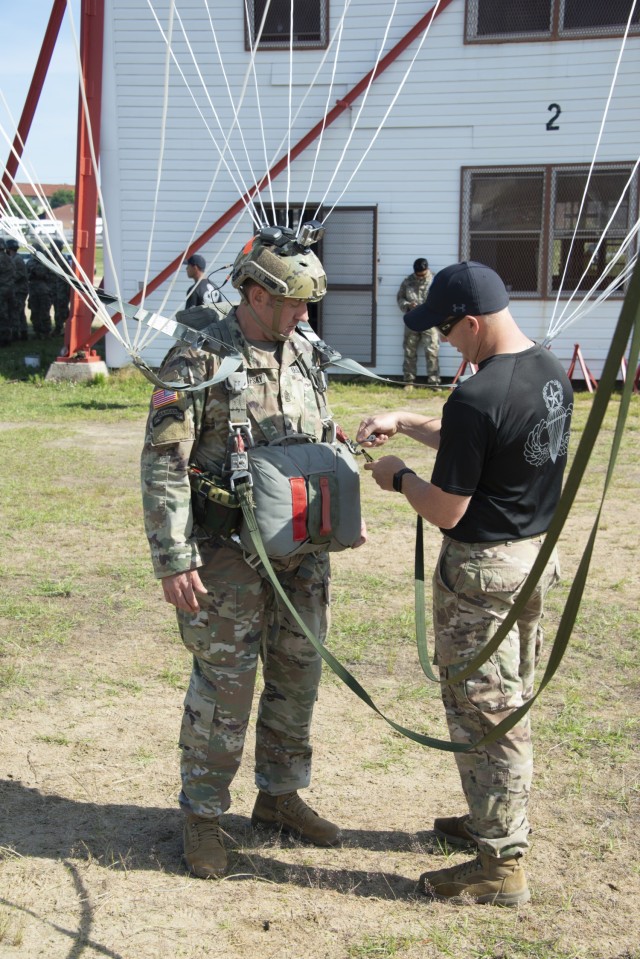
(420, 264)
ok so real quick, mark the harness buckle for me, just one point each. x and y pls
(237, 382)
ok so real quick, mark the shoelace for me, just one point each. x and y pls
(208, 830)
(467, 868)
(295, 805)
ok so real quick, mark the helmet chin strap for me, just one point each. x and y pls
(274, 330)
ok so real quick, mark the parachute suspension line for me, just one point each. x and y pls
(40, 251)
(226, 137)
(338, 33)
(387, 112)
(616, 283)
(146, 334)
(593, 161)
(362, 105)
(221, 153)
(82, 284)
(252, 68)
(163, 138)
(277, 152)
(89, 289)
(94, 162)
(236, 122)
(289, 113)
(578, 312)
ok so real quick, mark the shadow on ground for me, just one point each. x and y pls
(150, 837)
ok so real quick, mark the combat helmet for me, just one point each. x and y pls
(12, 244)
(283, 263)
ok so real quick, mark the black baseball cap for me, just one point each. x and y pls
(196, 260)
(460, 289)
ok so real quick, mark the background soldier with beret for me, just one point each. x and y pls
(227, 612)
(501, 452)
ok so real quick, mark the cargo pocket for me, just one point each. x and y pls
(211, 630)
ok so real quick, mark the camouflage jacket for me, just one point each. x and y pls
(413, 291)
(7, 272)
(21, 282)
(193, 428)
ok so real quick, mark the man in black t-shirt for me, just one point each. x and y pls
(501, 452)
(203, 291)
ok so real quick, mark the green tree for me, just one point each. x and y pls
(21, 207)
(62, 197)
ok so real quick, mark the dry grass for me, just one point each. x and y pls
(92, 681)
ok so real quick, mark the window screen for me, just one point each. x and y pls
(309, 23)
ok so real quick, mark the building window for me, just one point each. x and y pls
(522, 222)
(491, 21)
(310, 24)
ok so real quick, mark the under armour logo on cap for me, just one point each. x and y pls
(460, 289)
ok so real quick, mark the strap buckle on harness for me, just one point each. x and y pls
(240, 476)
(319, 379)
(237, 382)
(329, 431)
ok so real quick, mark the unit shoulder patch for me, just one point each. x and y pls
(168, 420)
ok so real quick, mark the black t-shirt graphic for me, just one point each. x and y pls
(504, 438)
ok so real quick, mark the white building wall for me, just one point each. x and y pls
(473, 105)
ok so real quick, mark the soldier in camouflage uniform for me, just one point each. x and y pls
(40, 296)
(20, 290)
(227, 612)
(501, 452)
(60, 289)
(413, 291)
(7, 296)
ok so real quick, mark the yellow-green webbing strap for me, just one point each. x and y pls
(628, 324)
(629, 321)
(245, 498)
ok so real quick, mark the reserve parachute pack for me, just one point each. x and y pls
(305, 493)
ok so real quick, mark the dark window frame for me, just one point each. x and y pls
(549, 233)
(556, 31)
(251, 29)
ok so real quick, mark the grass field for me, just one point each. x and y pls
(92, 677)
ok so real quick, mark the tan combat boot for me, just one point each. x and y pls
(501, 882)
(204, 852)
(291, 814)
(454, 830)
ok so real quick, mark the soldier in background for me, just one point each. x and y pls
(40, 298)
(413, 291)
(59, 288)
(20, 290)
(202, 292)
(7, 297)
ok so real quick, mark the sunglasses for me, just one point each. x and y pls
(445, 328)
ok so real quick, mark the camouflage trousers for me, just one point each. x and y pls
(429, 341)
(40, 307)
(239, 622)
(474, 587)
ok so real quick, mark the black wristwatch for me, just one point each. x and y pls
(397, 478)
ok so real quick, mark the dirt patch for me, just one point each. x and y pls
(90, 829)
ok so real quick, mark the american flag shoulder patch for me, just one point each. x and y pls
(163, 398)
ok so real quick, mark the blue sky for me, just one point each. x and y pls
(51, 146)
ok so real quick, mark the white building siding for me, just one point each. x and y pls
(473, 105)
